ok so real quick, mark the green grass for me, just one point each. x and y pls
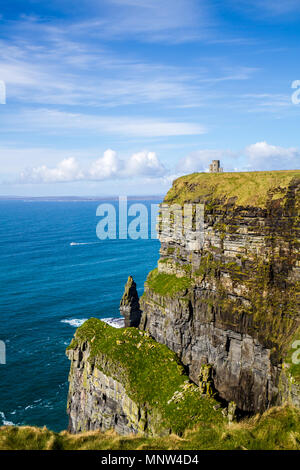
(167, 284)
(277, 429)
(247, 188)
(150, 373)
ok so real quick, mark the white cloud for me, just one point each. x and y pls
(145, 164)
(259, 156)
(200, 160)
(67, 170)
(262, 156)
(14, 159)
(107, 167)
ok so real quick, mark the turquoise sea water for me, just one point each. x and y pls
(46, 287)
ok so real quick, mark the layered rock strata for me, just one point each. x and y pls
(231, 301)
(97, 400)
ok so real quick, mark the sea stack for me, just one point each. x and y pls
(130, 305)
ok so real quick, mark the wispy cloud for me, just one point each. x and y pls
(271, 8)
(151, 20)
(78, 74)
(49, 121)
(264, 102)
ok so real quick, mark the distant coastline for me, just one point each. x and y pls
(78, 198)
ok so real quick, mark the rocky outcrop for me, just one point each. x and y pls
(130, 305)
(97, 401)
(124, 380)
(232, 300)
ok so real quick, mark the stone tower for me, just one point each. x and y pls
(214, 167)
(130, 304)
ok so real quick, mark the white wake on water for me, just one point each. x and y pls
(83, 243)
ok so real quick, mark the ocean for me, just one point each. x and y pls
(48, 287)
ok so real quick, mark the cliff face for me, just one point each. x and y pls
(123, 379)
(231, 301)
(97, 400)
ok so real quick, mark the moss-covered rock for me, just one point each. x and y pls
(122, 378)
(167, 284)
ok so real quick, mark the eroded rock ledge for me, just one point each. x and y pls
(123, 379)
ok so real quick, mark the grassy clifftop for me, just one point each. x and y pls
(277, 429)
(246, 188)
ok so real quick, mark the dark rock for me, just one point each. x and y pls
(130, 305)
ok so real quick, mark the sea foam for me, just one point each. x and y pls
(4, 421)
(76, 322)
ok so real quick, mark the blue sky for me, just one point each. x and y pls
(121, 96)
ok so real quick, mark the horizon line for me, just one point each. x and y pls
(132, 196)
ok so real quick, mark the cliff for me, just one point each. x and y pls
(231, 301)
(221, 310)
(123, 379)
